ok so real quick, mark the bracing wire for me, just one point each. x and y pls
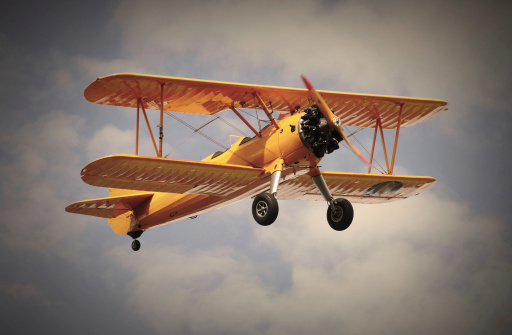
(190, 135)
(355, 132)
(381, 171)
(218, 117)
(232, 126)
(249, 114)
(352, 134)
(198, 131)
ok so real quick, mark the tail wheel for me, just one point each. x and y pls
(265, 209)
(135, 245)
(340, 214)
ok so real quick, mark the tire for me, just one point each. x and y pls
(265, 209)
(341, 218)
(135, 245)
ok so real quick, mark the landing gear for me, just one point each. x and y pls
(135, 245)
(265, 209)
(340, 214)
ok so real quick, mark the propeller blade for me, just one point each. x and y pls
(332, 120)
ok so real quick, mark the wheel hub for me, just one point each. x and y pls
(337, 214)
(261, 208)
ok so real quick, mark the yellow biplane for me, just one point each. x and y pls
(280, 162)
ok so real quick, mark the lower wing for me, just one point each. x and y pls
(356, 187)
(153, 174)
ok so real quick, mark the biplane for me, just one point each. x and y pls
(280, 162)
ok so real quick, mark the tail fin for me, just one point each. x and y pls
(124, 223)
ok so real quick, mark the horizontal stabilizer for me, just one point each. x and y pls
(108, 207)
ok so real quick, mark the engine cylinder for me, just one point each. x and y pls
(315, 133)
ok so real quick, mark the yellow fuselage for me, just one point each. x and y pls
(276, 149)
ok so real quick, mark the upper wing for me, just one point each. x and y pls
(357, 187)
(210, 97)
(168, 175)
(108, 207)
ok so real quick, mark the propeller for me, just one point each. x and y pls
(333, 121)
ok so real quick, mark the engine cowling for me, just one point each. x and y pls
(315, 133)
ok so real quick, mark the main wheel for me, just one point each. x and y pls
(265, 209)
(135, 245)
(341, 217)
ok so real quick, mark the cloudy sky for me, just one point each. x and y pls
(437, 263)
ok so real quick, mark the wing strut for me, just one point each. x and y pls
(396, 137)
(161, 125)
(378, 126)
(319, 181)
(139, 103)
(265, 108)
(137, 134)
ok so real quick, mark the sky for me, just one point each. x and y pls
(440, 262)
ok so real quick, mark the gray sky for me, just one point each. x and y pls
(437, 263)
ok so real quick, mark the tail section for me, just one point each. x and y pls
(118, 208)
(126, 222)
(123, 224)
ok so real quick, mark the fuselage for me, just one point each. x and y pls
(275, 146)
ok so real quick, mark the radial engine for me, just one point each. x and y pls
(315, 133)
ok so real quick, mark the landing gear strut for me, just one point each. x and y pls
(265, 207)
(340, 212)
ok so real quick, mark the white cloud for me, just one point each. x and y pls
(110, 140)
(425, 265)
(37, 179)
(431, 50)
(94, 68)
